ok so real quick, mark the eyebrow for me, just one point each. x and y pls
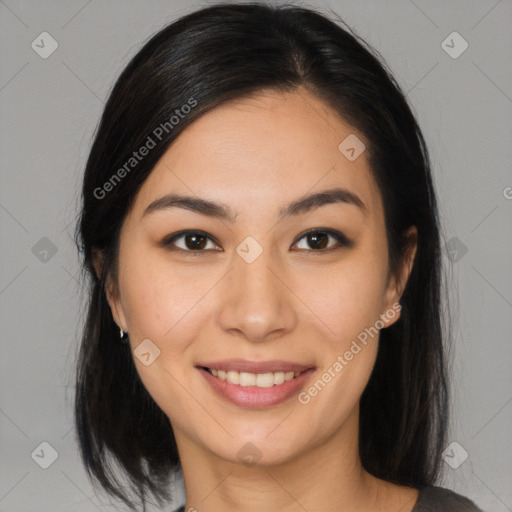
(224, 212)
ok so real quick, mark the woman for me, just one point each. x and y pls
(260, 228)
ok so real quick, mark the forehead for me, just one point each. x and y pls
(270, 147)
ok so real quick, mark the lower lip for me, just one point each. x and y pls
(253, 396)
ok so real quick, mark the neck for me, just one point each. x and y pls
(324, 477)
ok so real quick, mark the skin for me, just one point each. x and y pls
(291, 303)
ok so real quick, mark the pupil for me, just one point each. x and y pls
(314, 237)
(194, 246)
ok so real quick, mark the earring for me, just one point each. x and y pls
(123, 335)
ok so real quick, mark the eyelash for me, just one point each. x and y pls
(343, 241)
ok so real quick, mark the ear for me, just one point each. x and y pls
(396, 286)
(111, 291)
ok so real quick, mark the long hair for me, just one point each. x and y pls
(208, 57)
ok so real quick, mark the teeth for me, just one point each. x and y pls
(233, 377)
(261, 380)
(247, 379)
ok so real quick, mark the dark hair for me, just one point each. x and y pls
(213, 55)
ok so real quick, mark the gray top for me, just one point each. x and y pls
(439, 499)
(433, 499)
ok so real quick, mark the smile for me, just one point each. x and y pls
(255, 384)
(260, 380)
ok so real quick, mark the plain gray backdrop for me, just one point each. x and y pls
(50, 105)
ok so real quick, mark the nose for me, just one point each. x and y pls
(259, 304)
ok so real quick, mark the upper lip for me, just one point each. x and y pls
(243, 365)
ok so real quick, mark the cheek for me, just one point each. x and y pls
(159, 299)
(167, 302)
(347, 296)
(349, 304)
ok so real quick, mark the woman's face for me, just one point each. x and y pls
(257, 293)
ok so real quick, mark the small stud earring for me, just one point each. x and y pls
(123, 335)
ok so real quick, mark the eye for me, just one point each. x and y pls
(318, 238)
(195, 241)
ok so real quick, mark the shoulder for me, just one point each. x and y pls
(439, 499)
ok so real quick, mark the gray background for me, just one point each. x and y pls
(49, 110)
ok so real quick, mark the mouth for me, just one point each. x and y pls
(246, 379)
(268, 383)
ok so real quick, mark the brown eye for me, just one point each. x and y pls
(194, 241)
(318, 240)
